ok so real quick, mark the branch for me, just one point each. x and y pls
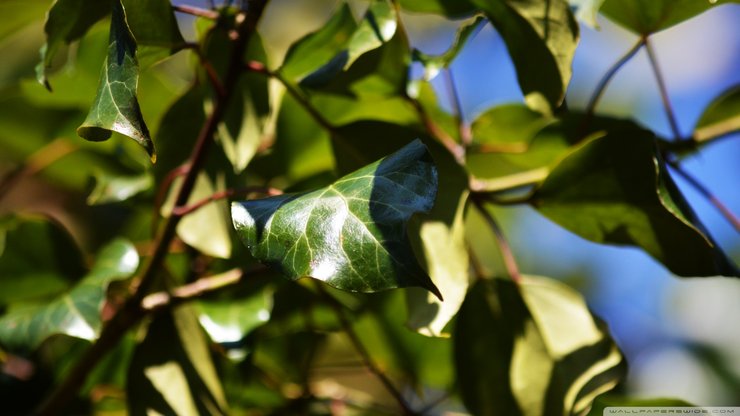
(364, 353)
(210, 70)
(604, 82)
(706, 193)
(196, 11)
(457, 151)
(663, 91)
(160, 300)
(462, 126)
(130, 313)
(503, 245)
(227, 193)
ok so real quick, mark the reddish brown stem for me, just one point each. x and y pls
(506, 254)
(226, 193)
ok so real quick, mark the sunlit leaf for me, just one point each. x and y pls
(37, 258)
(75, 313)
(230, 320)
(172, 372)
(67, 20)
(721, 117)
(541, 37)
(315, 49)
(434, 63)
(351, 234)
(116, 107)
(645, 17)
(531, 349)
(614, 189)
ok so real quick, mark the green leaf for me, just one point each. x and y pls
(448, 8)
(242, 130)
(646, 17)
(721, 117)
(441, 235)
(75, 313)
(67, 21)
(615, 189)
(317, 48)
(172, 371)
(116, 108)
(608, 400)
(531, 349)
(38, 258)
(153, 24)
(351, 234)
(109, 188)
(16, 14)
(586, 11)
(541, 37)
(230, 320)
(434, 63)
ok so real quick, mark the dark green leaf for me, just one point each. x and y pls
(75, 313)
(614, 189)
(351, 234)
(153, 25)
(172, 371)
(434, 63)
(316, 49)
(608, 400)
(116, 107)
(37, 258)
(531, 349)
(645, 17)
(541, 37)
(721, 117)
(67, 21)
(449, 8)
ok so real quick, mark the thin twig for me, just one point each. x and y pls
(706, 193)
(226, 193)
(130, 313)
(506, 254)
(604, 82)
(199, 288)
(462, 127)
(196, 11)
(210, 70)
(457, 151)
(364, 353)
(663, 91)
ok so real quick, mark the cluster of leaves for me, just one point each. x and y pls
(372, 188)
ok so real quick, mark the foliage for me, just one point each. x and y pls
(342, 276)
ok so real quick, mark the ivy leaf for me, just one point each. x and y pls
(531, 349)
(317, 48)
(645, 17)
(67, 20)
(615, 189)
(351, 234)
(154, 26)
(449, 8)
(172, 372)
(434, 63)
(541, 37)
(721, 117)
(75, 313)
(116, 188)
(115, 107)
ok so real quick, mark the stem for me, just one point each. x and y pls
(462, 126)
(131, 313)
(203, 286)
(364, 353)
(210, 70)
(226, 193)
(706, 193)
(506, 254)
(457, 151)
(196, 11)
(604, 82)
(663, 91)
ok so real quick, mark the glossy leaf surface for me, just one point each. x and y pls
(600, 191)
(722, 116)
(351, 234)
(75, 313)
(116, 108)
(532, 349)
(541, 37)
